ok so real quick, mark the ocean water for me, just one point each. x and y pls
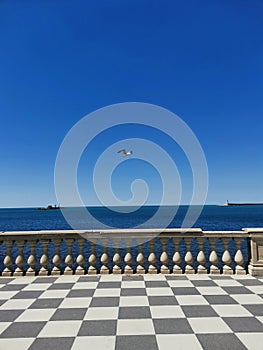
(212, 218)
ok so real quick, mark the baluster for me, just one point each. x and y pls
(56, 258)
(239, 261)
(44, 258)
(177, 270)
(19, 259)
(226, 258)
(69, 258)
(104, 270)
(164, 256)
(201, 257)
(188, 257)
(8, 261)
(80, 258)
(31, 259)
(92, 270)
(213, 258)
(152, 258)
(140, 260)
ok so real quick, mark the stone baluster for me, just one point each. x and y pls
(80, 258)
(104, 270)
(152, 258)
(128, 257)
(239, 260)
(177, 270)
(44, 258)
(213, 258)
(69, 258)
(140, 260)
(56, 258)
(164, 256)
(116, 270)
(31, 259)
(92, 270)
(226, 258)
(19, 259)
(8, 261)
(188, 257)
(201, 257)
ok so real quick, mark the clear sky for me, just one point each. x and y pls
(60, 60)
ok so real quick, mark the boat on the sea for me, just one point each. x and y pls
(49, 207)
(230, 204)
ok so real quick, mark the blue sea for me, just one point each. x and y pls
(212, 218)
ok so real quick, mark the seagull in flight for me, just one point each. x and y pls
(125, 154)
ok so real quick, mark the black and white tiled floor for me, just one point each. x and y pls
(131, 312)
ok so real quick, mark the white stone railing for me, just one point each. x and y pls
(125, 251)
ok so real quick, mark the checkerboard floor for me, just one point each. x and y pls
(131, 312)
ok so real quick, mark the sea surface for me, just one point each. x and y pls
(212, 218)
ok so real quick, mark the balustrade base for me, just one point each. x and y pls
(55, 271)
(254, 270)
(79, 271)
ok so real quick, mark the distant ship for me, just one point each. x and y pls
(50, 207)
(229, 204)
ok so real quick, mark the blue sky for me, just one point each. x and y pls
(60, 60)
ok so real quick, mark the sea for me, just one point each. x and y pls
(212, 217)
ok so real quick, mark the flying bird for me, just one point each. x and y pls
(125, 154)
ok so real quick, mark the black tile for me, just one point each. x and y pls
(46, 279)
(23, 330)
(162, 300)
(9, 315)
(251, 282)
(88, 278)
(199, 311)
(27, 294)
(237, 290)
(69, 314)
(220, 341)
(132, 278)
(104, 302)
(10, 287)
(244, 324)
(133, 291)
(220, 277)
(220, 299)
(5, 280)
(109, 285)
(134, 312)
(172, 326)
(63, 286)
(52, 343)
(136, 342)
(173, 277)
(156, 284)
(98, 328)
(80, 293)
(46, 303)
(204, 283)
(255, 309)
(185, 291)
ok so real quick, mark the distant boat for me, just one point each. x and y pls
(229, 204)
(49, 207)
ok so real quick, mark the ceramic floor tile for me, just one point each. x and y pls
(256, 310)
(166, 311)
(23, 330)
(104, 302)
(75, 303)
(231, 310)
(53, 343)
(85, 285)
(136, 342)
(100, 313)
(211, 291)
(172, 326)
(36, 286)
(133, 291)
(252, 341)
(220, 341)
(209, 325)
(69, 314)
(182, 341)
(199, 311)
(17, 304)
(135, 327)
(133, 284)
(53, 294)
(32, 315)
(107, 292)
(16, 343)
(247, 298)
(134, 301)
(98, 343)
(256, 289)
(159, 291)
(227, 283)
(191, 300)
(98, 328)
(134, 312)
(9, 315)
(60, 329)
(162, 300)
(244, 324)
(180, 283)
(45, 303)
(8, 294)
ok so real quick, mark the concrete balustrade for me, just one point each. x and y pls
(152, 251)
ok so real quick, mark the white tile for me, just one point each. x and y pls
(23, 280)
(191, 300)
(182, 341)
(209, 325)
(100, 313)
(134, 301)
(247, 298)
(50, 294)
(5, 295)
(231, 311)
(260, 318)
(162, 291)
(111, 278)
(107, 292)
(256, 289)
(228, 283)
(253, 341)
(16, 343)
(199, 277)
(180, 283)
(67, 279)
(85, 285)
(135, 327)
(133, 284)
(98, 343)
(242, 277)
(69, 303)
(211, 291)
(158, 277)
(32, 315)
(60, 329)
(167, 311)
(37, 286)
(17, 304)
(3, 326)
